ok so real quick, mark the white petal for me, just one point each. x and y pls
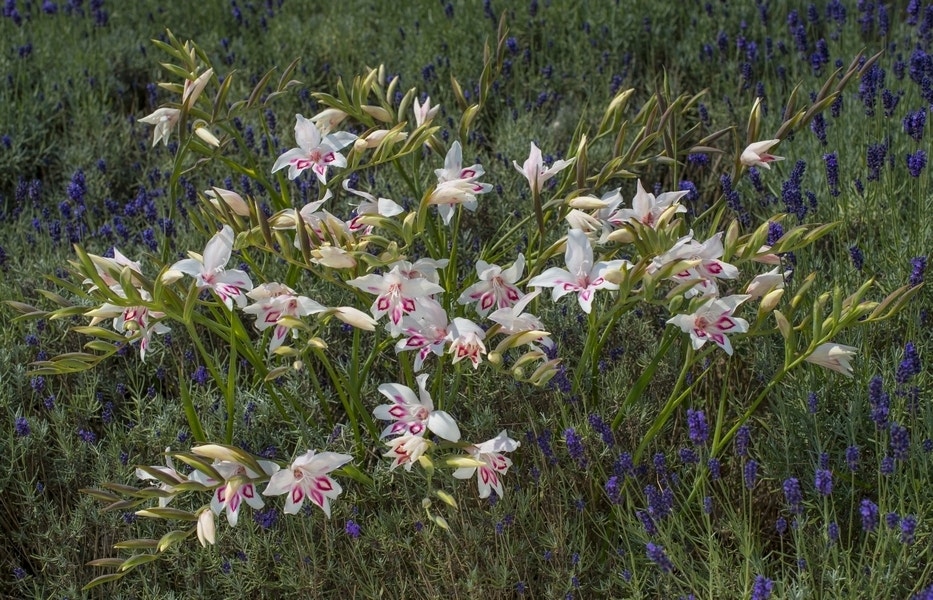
(444, 426)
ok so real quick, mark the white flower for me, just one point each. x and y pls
(582, 275)
(307, 478)
(756, 155)
(466, 340)
(647, 209)
(412, 415)
(274, 301)
(712, 321)
(164, 120)
(406, 450)
(313, 151)
(534, 171)
(238, 486)
(424, 112)
(495, 288)
(834, 356)
(209, 270)
(495, 464)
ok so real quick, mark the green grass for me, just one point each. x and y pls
(556, 525)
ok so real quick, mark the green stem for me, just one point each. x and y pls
(674, 401)
(451, 271)
(230, 391)
(338, 386)
(669, 336)
(194, 422)
(592, 367)
(778, 377)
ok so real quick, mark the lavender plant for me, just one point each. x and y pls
(406, 267)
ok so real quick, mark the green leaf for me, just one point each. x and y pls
(136, 544)
(101, 495)
(105, 562)
(102, 579)
(171, 538)
(356, 475)
(167, 513)
(139, 559)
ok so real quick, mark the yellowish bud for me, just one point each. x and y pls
(771, 300)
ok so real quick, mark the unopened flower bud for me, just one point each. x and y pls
(233, 200)
(205, 134)
(206, 529)
(621, 236)
(587, 203)
(771, 300)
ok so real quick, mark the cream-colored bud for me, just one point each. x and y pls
(588, 203)
(614, 276)
(233, 200)
(206, 528)
(377, 112)
(771, 300)
(171, 276)
(621, 236)
(205, 134)
(376, 137)
(355, 317)
(333, 257)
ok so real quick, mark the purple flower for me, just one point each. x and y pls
(916, 162)
(823, 481)
(914, 124)
(87, 436)
(603, 429)
(811, 403)
(869, 512)
(266, 518)
(879, 401)
(742, 437)
(832, 172)
(910, 365)
(657, 555)
(919, 265)
(793, 495)
(832, 530)
(624, 465)
(733, 201)
(877, 153)
(19, 573)
(575, 447)
(780, 525)
(647, 522)
(750, 474)
(544, 443)
(200, 375)
(762, 588)
(888, 466)
(22, 427)
(614, 489)
(352, 529)
(660, 502)
(858, 258)
(775, 232)
(714, 469)
(908, 527)
(699, 430)
(892, 520)
(899, 440)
